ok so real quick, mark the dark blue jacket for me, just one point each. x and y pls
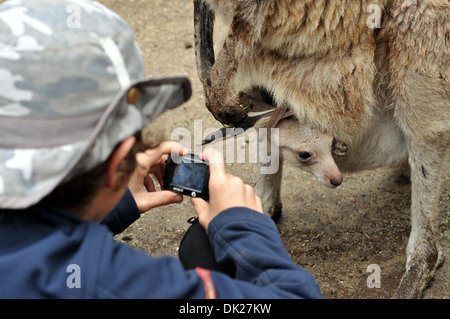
(49, 253)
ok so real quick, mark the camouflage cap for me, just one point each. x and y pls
(72, 86)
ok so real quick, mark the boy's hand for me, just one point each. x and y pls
(225, 191)
(141, 185)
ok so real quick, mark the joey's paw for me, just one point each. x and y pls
(339, 148)
(275, 212)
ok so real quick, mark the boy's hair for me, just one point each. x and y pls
(78, 193)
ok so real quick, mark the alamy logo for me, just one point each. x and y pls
(374, 280)
(74, 279)
(74, 19)
(374, 20)
(262, 146)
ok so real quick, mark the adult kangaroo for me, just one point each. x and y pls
(373, 74)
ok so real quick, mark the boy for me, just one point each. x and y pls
(72, 104)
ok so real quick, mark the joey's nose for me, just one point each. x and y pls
(335, 182)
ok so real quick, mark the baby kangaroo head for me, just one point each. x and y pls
(310, 150)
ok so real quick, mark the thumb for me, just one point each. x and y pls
(147, 201)
(202, 208)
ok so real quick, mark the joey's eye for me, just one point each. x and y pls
(304, 156)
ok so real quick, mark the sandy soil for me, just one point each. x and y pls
(334, 234)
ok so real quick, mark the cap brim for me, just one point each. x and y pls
(157, 95)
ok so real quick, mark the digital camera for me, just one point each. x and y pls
(187, 175)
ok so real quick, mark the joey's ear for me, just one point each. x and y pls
(116, 158)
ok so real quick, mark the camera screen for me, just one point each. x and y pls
(189, 175)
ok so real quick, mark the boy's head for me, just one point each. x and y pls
(72, 89)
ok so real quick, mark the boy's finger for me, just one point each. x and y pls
(158, 172)
(154, 154)
(171, 148)
(216, 162)
(147, 201)
(201, 206)
(148, 184)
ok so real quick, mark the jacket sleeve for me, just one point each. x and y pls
(251, 240)
(123, 215)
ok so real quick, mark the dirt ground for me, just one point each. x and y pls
(334, 234)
